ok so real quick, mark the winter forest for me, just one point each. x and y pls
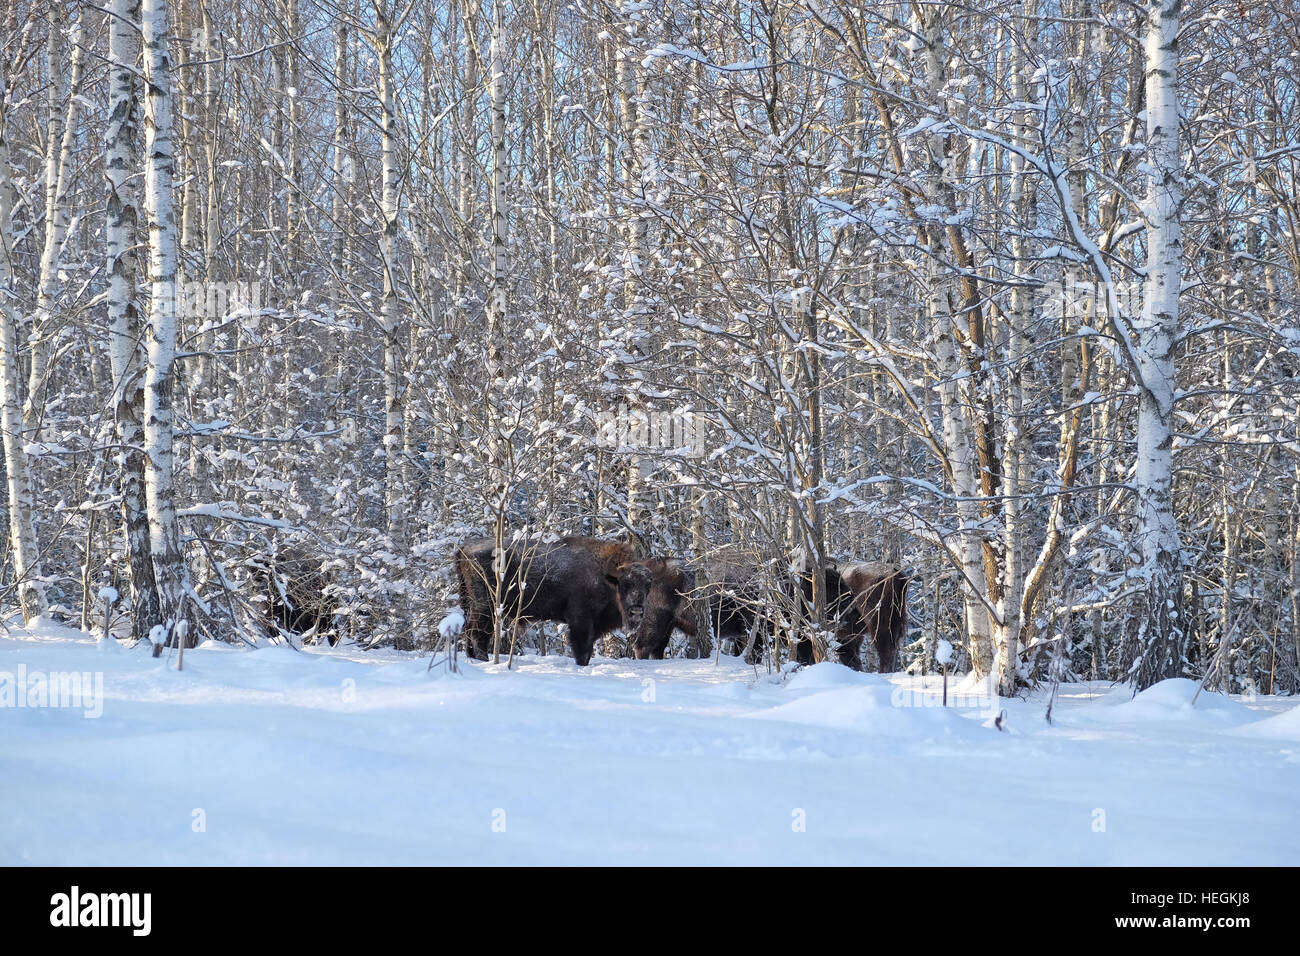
(298, 295)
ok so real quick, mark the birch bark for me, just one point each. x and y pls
(160, 372)
(62, 131)
(125, 333)
(395, 492)
(958, 429)
(22, 525)
(1158, 627)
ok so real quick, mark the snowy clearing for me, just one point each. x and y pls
(344, 757)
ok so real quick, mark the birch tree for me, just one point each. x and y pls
(171, 575)
(21, 513)
(61, 133)
(125, 329)
(1159, 625)
(394, 388)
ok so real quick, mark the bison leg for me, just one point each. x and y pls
(887, 649)
(475, 604)
(478, 636)
(850, 653)
(803, 652)
(582, 637)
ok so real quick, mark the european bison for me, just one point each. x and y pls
(867, 599)
(739, 607)
(298, 594)
(871, 601)
(591, 585)
(668, 606)
(880, 598)
(841, 616)
(734, 616)
(733, 595)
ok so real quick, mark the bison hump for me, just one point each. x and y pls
(609, 553)
(866, 574)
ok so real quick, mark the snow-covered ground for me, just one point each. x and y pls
(344, 757)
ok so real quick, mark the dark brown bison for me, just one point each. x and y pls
(735, 600)
(668, 607)
(591, 585)
(299, 595)
(870, 601)
(741, 609)
(862, 600)
(735, 616)
(841, 616)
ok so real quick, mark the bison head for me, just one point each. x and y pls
(666, 608)
(632, 583)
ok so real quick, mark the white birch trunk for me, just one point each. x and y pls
(1159, 628)
(160, 375)
(1015, 468)
(395, 491)
(62, 130)
(965, 483)
(636, 305)
(465, 172)
(957, 426)
(339, 156)
(125, 335)
(22, 526)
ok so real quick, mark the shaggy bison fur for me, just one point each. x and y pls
(880, 600)
(298, 594)
(668, 606)
(739, 612)
(591, 585)
(862, 600)
(870, 601)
